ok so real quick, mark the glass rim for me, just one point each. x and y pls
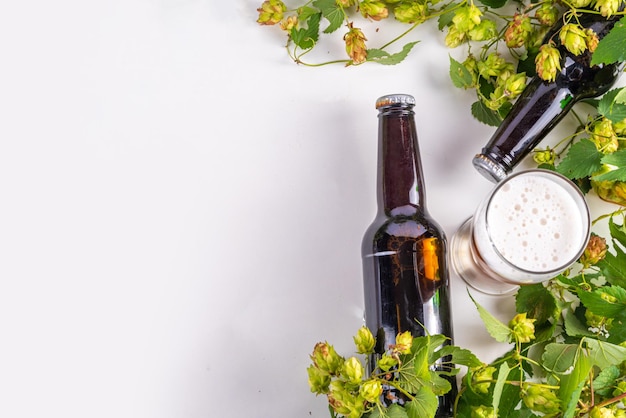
(580, 202)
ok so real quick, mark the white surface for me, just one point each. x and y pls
(182, 207)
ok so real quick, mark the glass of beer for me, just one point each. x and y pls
(532, 226)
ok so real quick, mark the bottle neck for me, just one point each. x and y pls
(400, 184)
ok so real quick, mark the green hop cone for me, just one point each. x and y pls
(404, 341)
(326, 358)
(541, 399)
(364, 341)
(481, 379)
(387, 362)
(353, 371)
(372, 9)
(413, 12)
(601, 412)
(620, 128)
(515, 85)
(471, 65)
(318, 380)
(603, 136)
(466, 18)
(518, 31)
(607, 8)
(483, 412)
(620, 389)
(343, 401)
(484, 31)
(492, 66)
(371, 391)
(574, 38)
(547, 14)
(546, 156)
(271, 12)
(454, 37)
(522, 328)
(548, 62)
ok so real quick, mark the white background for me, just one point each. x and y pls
(181, 206)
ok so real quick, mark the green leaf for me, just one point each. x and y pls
(611, 48)
(485, 115)
(424, 405)
(461, 77)
(618, 159)
(494, 4)
(573, 383)
(396, 411)
(383, 57)
(618, 232)
(604, 383)
(612, 106)
(438, 384)
(332, 12)
(499, 331)
(573, 326)
(582, 160)
(603, 354)
(602, 307)
(613, 267)
(460, 356)
(306, 38)
(503, 373)
(559, 357)
(537, 301)
(620, 97)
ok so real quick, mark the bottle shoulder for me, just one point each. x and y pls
(418, 226)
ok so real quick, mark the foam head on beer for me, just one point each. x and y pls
(534, 226)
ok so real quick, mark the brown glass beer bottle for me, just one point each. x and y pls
(404, 250)
(543, 104)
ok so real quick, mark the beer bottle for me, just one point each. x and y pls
(404, 250)
(543, 104)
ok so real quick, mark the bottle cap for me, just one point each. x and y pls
(395, 100)
(489, 168)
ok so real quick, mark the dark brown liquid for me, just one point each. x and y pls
(406, 285)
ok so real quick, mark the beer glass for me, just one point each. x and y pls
(531, 227)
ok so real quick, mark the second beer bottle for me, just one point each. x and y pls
(404, 250)
(543, 104)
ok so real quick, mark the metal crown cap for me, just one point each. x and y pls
(395, 99)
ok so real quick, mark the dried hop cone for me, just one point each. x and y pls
(271, 12)
(326, 358)
(355, 45)
(518, 31)
(548, 62)
(595, 250)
